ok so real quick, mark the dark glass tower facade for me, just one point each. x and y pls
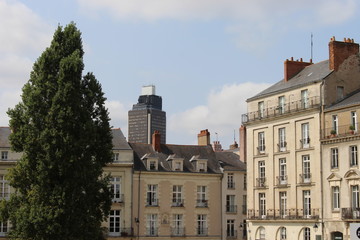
(147, 116)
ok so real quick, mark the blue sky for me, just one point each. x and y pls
(205, 57)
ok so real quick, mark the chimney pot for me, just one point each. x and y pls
(156, 137)
(339, 51)
(291, 68)
(204, 138)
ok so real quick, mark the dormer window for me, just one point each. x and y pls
(116, 157)
(175, 162)
(150, 161)
(4, 155)
(152, 165)
(199, 164)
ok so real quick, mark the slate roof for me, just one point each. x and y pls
(353, 99)
(119, 140)
(230, 161)
(181, 151)
(311, 74)
(4, 137)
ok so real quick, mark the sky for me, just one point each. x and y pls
(205, 57)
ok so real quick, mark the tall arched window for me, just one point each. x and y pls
(307, 233)
(282, 233)
(260, 233)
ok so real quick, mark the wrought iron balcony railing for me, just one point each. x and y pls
(274, 214)
(231, 185)
(177, 231)
(341, 131)
(305, 178)
(276, 111)
(118, 198)
(201, 203)
(261, 182)
(202, 231)
(350, 213)
(282, 180)
(152, 202)
(177, 202)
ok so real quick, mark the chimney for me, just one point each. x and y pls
(204, 138)
(233, 146)
(243, 143)
(156, 141)
(217, 146)
(291, 67)
(339, 51)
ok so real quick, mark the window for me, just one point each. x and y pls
(282, 233)
(245, 181)
(177, 196)
(335, 124)
(262, 205)
(283, 204)
(244, 204)
(4, 228)
(178, 229)
(307, 233)
(355, 196)
(178, 166)
(114, 223)
(4, 187)
(230, 180)
(354, 120)
(230, 228)
(201, 225)
(339, 92)
(334, 158)
(116, 189)
(116, 157)
(262, 179)
(153, 165)
(262, 233)
(261, 139)
(281, 104)
(201, 167)
(282, 140)
(353, 156)
(230, 203)
(305, 138)
(307, 203)
(4, 155)
(335, 198)
(261, 109)
(282, 171)
(152, 195)
(306, 176)
(201, 196)
(151, 225)
(304, 99)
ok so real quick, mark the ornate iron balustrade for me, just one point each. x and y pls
(261, 182)
(275, 214)
(342, 131)
(305, 178)
(177, 231)
(276, 111)
(350, 213)
(282, 180)
(201, 203)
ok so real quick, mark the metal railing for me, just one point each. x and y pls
(202, 231)
(342, 131)
(231, 234)
(274, 214)
(201, 203)
(152, 202)
(281, 180)
(151, 231)
(118, 198)
(261, 182)
(350, 213)
(305, 178)
(276, 111)
(177, 231)
(177, 202)
(231, 208)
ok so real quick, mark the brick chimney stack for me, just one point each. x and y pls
(242, 143)
(339, 51)
(156, 141)
(204, 138)
(291, 67)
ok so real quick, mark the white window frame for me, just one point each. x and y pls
(307, 233)
(282, 171)
(230, 203)
(152, 224)
(4, 155)
(334, 158)
(230, 181)
(353, 156)
(282, 140)
(306, 169)
(262, 205)
(4, 188)
(152, 195)
(305, 136)
(261, 109)
(116, 157)
(283, 204)
(115, 223)
(4, 228)
(335, 198)
(307, 203)
(305, 98)
(262, 171)
(335, 123)
(230, 228)
(261, 142)
(355, 203)
(178, 225)
(354, 120)
(116, 189)
(283, 233)
(177, 199)
(281, 101)
(201, 196)
(201, 224)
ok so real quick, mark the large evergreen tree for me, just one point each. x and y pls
(62, 128)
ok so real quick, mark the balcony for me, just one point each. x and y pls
(177, 231)
(231, 234)
(277, 111)
(202, 231)
(177, 202)
(282, 146)
(201, 203)
(152, 202)
(231, 208)
(282, 181)
(342, 131)
(151, 231)
(305, 178)
(305, 143)
(350, 213)
(289, 214)
(118, 198)
(261, 182)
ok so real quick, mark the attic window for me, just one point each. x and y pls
(339, 92)
(177, 166)
(201, 167)
(152, 165)
(116, 157)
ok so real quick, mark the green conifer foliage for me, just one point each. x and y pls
(62, 128)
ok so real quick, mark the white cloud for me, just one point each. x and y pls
(221, 114)
(335, 11)
(8, 100)
(119, 115)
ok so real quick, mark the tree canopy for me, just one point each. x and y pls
(62, 128)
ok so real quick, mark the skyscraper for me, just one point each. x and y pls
(146, 117)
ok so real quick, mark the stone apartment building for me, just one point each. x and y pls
(284, 149)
